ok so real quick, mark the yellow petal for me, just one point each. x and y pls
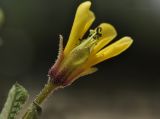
(83, 20)
(108, 34)
(88, 71)
(77, 74)
(113, 50)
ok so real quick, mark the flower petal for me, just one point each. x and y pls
(79, 73)
(112, 50)
(83, 20)
(108, 34)
(88, 71)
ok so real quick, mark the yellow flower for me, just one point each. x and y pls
(81, 54)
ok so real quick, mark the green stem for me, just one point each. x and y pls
(34, 108)
(48, 89)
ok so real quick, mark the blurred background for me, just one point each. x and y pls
(125, 87)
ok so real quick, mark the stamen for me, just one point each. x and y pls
(95, 34)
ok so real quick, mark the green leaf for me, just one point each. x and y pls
(16, 98)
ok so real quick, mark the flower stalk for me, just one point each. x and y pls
(46, 91)
(35, 108)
